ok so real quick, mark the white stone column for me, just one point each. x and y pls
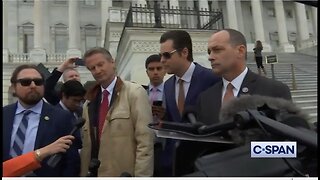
(74, 30)
(176, 18)
(105, 4)
(204, 6)
(239, 16)
(258, 24)
(5, 51)
(302, 26)
(38, 54)
(232, 14)
(314, 12)
(282, 27)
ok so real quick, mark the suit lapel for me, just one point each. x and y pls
(171, 98)
(248, 85)
(7, 128)
(194, 85)
(44, 125)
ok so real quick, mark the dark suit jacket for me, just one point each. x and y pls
(209, 102)
(77, 141)
(184, 154)
(58, 125)
(202, 79)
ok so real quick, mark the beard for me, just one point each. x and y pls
(31, 98)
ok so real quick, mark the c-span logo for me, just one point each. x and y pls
(273, 149)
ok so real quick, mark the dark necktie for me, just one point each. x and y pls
(19, 140)
(181, 97)
(229, 94)
(104, 107)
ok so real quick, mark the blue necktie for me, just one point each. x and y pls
(18, 143)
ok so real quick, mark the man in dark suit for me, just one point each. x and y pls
(181, 90)
(30, 124)
(227, 53)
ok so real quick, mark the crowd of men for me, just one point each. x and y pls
(117, 112)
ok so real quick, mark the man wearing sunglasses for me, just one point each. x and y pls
(181, 90)
(30, 123)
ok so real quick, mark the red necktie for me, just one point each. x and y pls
(104, 107)
(229, 94)
(181, 97)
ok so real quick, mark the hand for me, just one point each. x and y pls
(60, 145)
(69, 63)
(158, 111)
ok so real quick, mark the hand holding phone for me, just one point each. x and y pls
(79, 62)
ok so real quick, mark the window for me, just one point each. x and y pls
(91, 36)
(61, 43)
(271, 12)
(60, 1)
(27, 43)
(288, 13)
(89, 2)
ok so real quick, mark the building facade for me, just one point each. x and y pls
(50, 31)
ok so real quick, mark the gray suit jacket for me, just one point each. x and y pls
(209, 101)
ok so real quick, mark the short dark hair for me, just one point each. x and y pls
(181, 39)
(18, 69)
(72, 88)
(97, 50)
(236, 38)
(152, 58)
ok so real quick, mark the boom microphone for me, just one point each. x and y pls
(55, 159)
(275, 108)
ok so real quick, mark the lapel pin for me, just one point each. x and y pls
(46, 118)
(245, 90)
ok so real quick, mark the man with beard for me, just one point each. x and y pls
(30, 124)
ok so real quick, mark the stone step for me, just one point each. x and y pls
(304, 103)
(305, 97)
(310, 109)
(304, 92)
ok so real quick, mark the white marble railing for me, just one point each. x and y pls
(24, 57)
(117, 14)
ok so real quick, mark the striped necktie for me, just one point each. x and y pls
(19, 140)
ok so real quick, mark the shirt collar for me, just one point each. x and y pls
(236, 82)
(159, 88)
(111, 86)
(188, 74)
(36, 108)
(63, 106)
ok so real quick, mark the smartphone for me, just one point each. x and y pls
(79, 62)
(157, 103)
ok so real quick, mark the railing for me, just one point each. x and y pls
(24, 57)
(174, 17)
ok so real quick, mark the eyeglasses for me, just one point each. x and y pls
(27, 82)
(167, 55)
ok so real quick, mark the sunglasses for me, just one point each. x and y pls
(167, 55)
(27, 82)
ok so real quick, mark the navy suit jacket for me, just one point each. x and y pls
(58, 125)
(202, 79)
(209, 102)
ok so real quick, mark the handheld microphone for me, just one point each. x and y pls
(189, 113)
(93, 167)
(125, 174)
(55, 159)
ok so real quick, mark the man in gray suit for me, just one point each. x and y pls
(227, 53)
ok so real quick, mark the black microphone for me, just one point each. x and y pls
(55, 159)
(93, 168)
(217, 127)
(189, 114)
(125, 174)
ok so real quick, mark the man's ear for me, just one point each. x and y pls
(185, 52)
(242, 50)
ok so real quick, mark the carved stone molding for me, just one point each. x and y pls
(145, 46)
